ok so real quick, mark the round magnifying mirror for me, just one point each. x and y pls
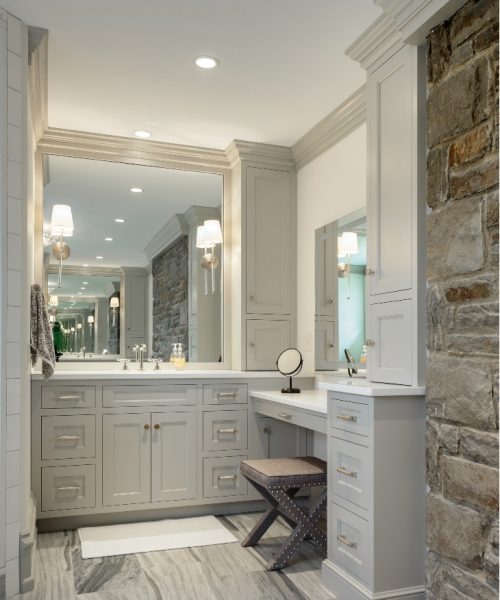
(289, 363)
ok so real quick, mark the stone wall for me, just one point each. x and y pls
(170, 298)
(462, 305)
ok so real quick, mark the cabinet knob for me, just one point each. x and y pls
(330, 346)
(251, 298)
(331, 300)
(252, 345)
(157, 426)
(370, 271)
(369, 342)
(146, 426)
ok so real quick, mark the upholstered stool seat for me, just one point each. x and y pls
(278, 480)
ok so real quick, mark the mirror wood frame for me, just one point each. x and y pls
(92, 146)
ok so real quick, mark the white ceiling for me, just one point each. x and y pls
(98, 192)
(71, 285)
(118, 65)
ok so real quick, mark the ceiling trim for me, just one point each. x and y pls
(98, 146)
(342, 121)
(79, 270)
(415, 18)
(255, 152)
(37, 80)
(173, 229)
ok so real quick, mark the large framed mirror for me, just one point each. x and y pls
(141, 260)
(340, 293)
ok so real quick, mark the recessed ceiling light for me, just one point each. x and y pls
(206, 62)
(82, 288)
(80, 293)
(108, 239)
(85, 265)
(85, 282)
(99, 257)
(142, 133)
(119, 220)
(136, 190)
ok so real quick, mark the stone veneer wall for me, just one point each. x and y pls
(170, 298)
(462, 304)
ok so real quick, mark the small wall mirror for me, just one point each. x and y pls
(289, 364)
(340, 270)
(123, 247)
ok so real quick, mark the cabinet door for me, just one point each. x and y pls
(324, 339)
(392, 173)
(269, 241)
(325, 271)
(126, 458)
(265, 340)
(173, 456)
(136, 305)
(281, 440)
(390, 356)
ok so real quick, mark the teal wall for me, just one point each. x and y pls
(351, 316)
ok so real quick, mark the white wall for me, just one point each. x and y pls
(330, 186)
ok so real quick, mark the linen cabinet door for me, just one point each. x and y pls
(174, 452)
(265, 340)
(126, 459)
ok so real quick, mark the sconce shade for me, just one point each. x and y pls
(114, 302)
(90, 319)
(202, 237)
(213, 231)
(78, 325)
(53, 301)
(348, 243)
(62, 221)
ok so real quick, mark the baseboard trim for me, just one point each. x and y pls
(27, 549)
(346, 587)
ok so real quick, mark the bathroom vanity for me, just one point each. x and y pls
(113, 442)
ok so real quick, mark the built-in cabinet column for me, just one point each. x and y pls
(326, 309)
(134, 310)
(264, 186)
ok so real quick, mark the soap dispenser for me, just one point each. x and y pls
(362, 358)
(173, 354)
(180, 359)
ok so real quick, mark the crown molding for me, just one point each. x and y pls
(171, 231)
(415, 18)
(376, 44)
(195, 215)
(113, 287)
(37, 80)
(82, 144)
(268, 154)
(79, 270)
(343, 120)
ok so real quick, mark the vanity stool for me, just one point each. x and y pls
(278, 480)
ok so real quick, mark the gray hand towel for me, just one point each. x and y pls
(42, 342)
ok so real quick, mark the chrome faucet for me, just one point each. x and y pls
(142, 352)
(82, 350)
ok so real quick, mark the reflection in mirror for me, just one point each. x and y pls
(131, 268)
(340, 257)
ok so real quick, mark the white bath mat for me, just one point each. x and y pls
(132, 538)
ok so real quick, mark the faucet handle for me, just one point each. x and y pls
(156, 362)
(125, 362)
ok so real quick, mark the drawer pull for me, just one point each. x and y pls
(226, 477)
(347, 542)
(68, 438)
(228, 430)
(223, 395)
(68, 397)
(284, 415)
(350, 418)
(345, 471)
(69, 488)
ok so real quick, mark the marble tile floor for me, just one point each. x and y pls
(223, 572)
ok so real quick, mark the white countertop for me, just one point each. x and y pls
(362, 387)
(311, 400)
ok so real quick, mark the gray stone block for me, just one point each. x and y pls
(470, 482)
(479, 446)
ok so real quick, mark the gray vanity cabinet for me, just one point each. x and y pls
(266, 338)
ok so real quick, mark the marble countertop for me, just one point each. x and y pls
(362, 387)
(311, 400)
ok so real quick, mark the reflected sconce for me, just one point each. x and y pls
(52, 318)
(61, 225)
(114, 304)
(347, 246)
(90, 321)
(208, 236)
(53, 300)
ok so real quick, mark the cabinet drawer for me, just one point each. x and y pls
(351, 416)
(76, 396)
(225, 430)
(350, 472)
(221, 477)
(68, 436)
(68, 487)
(157, 395)
(350, 542)
(225, 393)
(290, 415)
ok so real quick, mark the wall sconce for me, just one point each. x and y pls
(90, 321)
(207, 236)
(52, 318)
(61, 225)
(347, 246)
(53, 300)
(114, 304)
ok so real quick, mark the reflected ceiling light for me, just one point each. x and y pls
(119, 220)
(80, 293)
(99, 257)
(85, 282)
(136, 190)
(108, 239)
(206, 62)
(143, 134)
(82, 288)
(85, 265)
